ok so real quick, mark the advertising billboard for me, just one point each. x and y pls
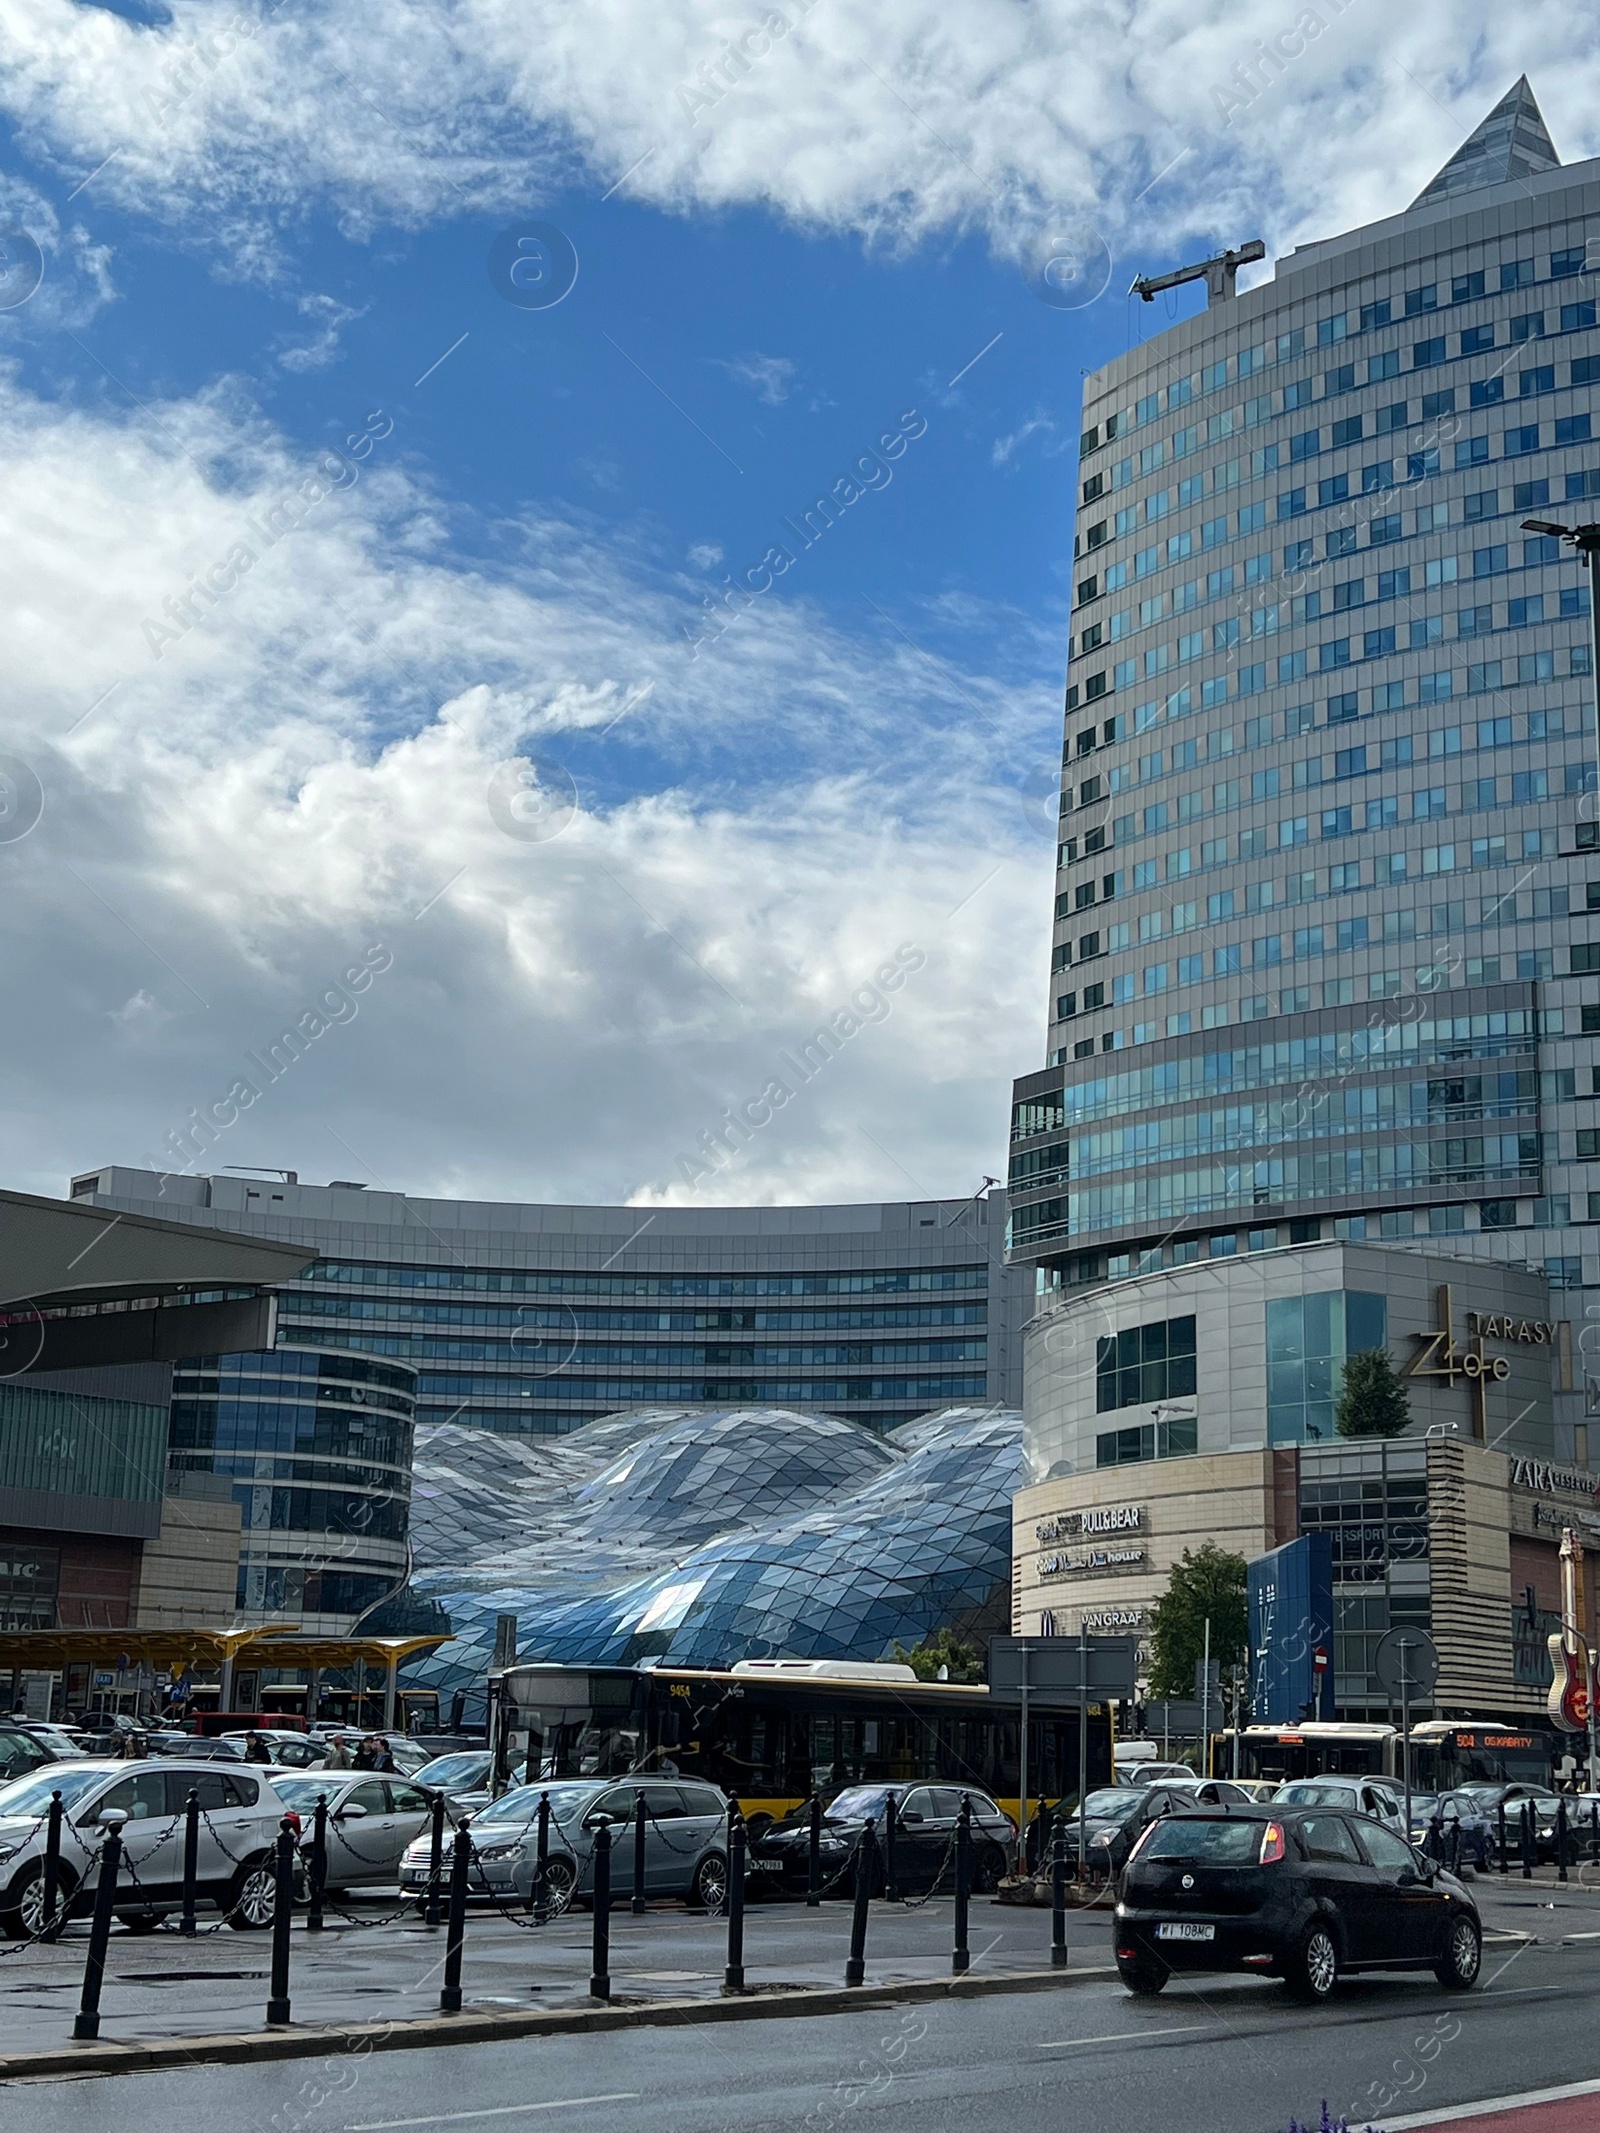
(1291, 1632)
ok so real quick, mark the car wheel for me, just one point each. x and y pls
(1463, 1957)
(140, 1921)
(23, 1917)
(709, 1888)
(253, 1897)
(1313, 1969)
(560, 1883)
(988, 1870)
(1143, 1979)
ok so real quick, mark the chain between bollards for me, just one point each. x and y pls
(814, 1855)
(961, 1954)
(87, 2026)
(636, 1904)
(282, 1919)
(51, 1923)
(1058, 1897)
(600, 1961)
(541, 1865)
(430, 1910)
(855, 1969)
(456, 1922)
(733, 1974)
(317, 1870)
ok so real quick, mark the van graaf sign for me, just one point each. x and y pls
(1439, 1356)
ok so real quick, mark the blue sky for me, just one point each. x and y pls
(252, 260)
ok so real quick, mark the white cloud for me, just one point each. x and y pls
(768, 377)
(1006, 448)
(331, 318)
(306, 766)
(910, 118)
(705, 555)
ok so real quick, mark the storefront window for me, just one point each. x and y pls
(1308, 1341)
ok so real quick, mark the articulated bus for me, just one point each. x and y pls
(771, 1732)
(1444, 1752)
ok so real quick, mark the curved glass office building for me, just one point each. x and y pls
(317, 1445)
(1324, 965)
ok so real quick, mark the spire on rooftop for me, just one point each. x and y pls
(1512, 142)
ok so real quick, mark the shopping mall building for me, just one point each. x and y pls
(1324, 1023)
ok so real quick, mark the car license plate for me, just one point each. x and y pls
(767, 1866)
(1184, 1929)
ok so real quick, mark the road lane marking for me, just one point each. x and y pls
(1121, 2036)
(503, 2110)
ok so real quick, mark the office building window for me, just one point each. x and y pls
(1145, 1364)
(1309, 1339)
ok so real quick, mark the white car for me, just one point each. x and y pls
(371, 1821)
(1356, 1795)
(241, 1816)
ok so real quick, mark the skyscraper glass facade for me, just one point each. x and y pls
(1323, 962)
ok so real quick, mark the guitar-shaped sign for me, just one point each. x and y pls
(1568, 1701)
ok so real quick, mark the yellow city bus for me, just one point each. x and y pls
(772, 1732)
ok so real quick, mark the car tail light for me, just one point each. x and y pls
(1272, 1844)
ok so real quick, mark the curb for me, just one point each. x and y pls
(430, 2031)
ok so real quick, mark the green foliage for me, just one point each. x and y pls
(1208, 1583)
(961, 1661)
(1373, 1402)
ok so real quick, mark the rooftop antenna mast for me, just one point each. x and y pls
(1219, 275)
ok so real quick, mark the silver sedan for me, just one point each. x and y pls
(371, 1820)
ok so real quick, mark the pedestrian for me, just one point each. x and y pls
(364, 1754)
(256, 1749)
(383, 1757)
(338, 1756)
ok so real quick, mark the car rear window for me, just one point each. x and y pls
(1219, 1843)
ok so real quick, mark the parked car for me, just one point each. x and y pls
(1491, 1798)
(1465, 1834)
(239, 1825)
(1151, 1773)
(64, 1742)
(1301, 1893)
(685, 1841)
(22, 1751)
(463, 1778)
(371, 1820)
(191, 1747)
(1114, 1818)
(289, 1750)
(1380, 1797)
(408, 1757)
(925, 1819)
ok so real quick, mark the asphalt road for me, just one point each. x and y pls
(1226, 2056)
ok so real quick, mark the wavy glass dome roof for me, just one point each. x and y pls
(761, 1533)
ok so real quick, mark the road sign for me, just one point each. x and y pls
(1406, 1660)
(1052, 1667)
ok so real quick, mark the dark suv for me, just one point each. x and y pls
(1300, 1893)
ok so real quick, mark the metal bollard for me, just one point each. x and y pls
(814, 1856)
(1505, 1856)
(541, 1865)
(282, 1919)
(1529, 1852)
(1058, 1898)
(961, 1954)
(600, 1962)
(191, 1863)
(637, 1904)
(317, 1871)
(855, 1969)
(87, 2026)
(733, 1975)
(891, 1830)
(1433, 1843)
(456, 1922)
(1594, 1830)
(1561, 1838)
(50, 1924)
(430, 1913)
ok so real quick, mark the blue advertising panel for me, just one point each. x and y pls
(1291, 1622)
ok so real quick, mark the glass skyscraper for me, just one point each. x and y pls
(1323, 962)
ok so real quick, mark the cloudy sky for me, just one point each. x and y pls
(396, 445)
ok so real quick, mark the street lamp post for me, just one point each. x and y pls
(1586, 540)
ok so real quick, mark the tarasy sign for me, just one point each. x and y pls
(1053, 1667)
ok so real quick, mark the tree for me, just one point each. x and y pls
(1208, 1584)
(943, 1649)
(1373, 1402)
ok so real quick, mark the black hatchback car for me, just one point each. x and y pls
(1303, 1894)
